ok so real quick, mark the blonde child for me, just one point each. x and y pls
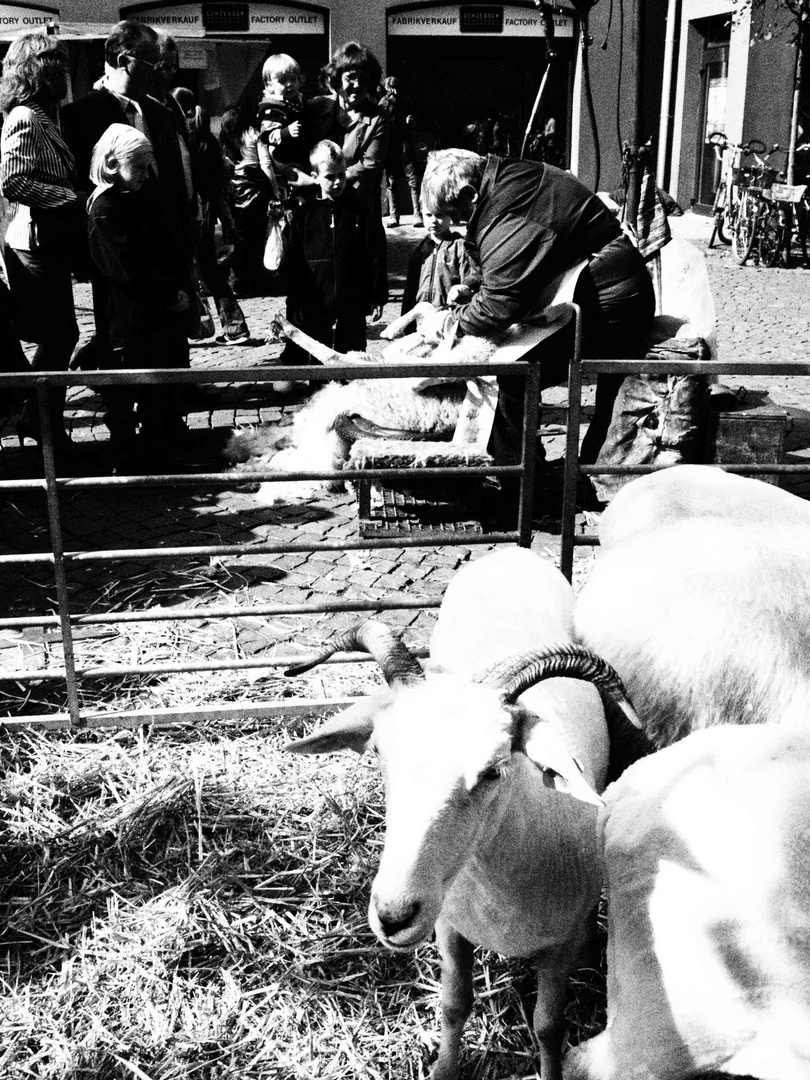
(443, 269)
(281, 131)
(145, 293)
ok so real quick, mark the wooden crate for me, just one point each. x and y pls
(409, 506)
(749, 434)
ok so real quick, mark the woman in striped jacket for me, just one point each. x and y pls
(37, 176)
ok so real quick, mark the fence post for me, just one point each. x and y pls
(57, 546)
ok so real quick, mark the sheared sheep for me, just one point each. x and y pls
(707, 863)
(700, 601)
(312, 443)
(491, 777)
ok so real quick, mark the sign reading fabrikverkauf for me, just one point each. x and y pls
(492, 21)
(198, 20)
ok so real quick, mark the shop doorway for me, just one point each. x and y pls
(460, 88)
(714, 97)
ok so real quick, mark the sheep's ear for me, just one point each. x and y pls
(351, 730)
(560, 768)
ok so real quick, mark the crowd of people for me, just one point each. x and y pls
(126, 185)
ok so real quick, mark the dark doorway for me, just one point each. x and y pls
(456, 82)
(714, 96)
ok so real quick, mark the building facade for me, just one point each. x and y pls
(667, 71)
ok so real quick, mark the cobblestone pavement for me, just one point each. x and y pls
(761, 313)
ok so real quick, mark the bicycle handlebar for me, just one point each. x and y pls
(720, 142)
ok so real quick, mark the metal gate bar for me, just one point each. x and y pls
(573, 470)
(61, 559)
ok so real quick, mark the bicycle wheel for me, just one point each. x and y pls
(745, 229)
(719, 212)
(725, 232)
(770, 238)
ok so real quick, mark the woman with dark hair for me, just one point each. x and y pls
(251, 192)
(354, 74)
(38, 177)
(210, 183)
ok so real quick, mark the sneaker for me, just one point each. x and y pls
(392, 222)
(241, 338)
(417, 222)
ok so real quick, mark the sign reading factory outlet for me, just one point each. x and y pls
(190, 20)
(431, 22)
(14, 18)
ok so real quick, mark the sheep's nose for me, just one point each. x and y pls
(393, 923)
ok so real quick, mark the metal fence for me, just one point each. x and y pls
(569, 539)
(61, 560)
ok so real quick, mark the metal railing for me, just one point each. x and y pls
(62, 560)
(569, 539)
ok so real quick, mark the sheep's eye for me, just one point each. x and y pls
(493, 772)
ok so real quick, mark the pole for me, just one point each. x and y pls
(547, 18)
(797, 91)
(633, 149)
(666, 91)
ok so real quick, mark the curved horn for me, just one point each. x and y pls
(516, 674)
(377, 639)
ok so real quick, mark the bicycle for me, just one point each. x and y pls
(753, 205)
(785, 219)
(786, 223)
(727, 197)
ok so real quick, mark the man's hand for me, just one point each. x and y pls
(294, 129)
(459, 294)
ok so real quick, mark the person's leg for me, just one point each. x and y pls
(389, 189)
(618, 303)
(349, 334)
(409, 168)
(215, 278)
(506, 441)
(42, 295)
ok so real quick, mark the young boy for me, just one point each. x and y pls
(336, 268)
(443, 269)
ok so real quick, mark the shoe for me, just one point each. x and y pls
(64, 449)
(235, 339)
(392, 223)
(417, 222)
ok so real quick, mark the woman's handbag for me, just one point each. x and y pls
(275, 244)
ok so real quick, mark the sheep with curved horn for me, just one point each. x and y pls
(492, 769)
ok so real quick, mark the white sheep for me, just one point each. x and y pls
(707, 864)
(491, 778)
(313, 444)
(700, 600)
